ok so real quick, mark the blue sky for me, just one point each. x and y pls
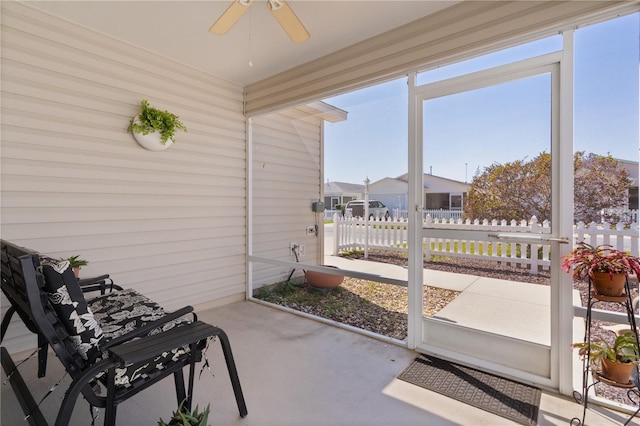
(465, 133)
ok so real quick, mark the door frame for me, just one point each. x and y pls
(560, 65)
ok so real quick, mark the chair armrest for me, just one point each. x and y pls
(150, 346)
(93, 280)
(98, 283)
(146, 329)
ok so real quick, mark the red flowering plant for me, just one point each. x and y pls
(586, 259)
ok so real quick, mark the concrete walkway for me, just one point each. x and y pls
(487, 304)
(447, 280)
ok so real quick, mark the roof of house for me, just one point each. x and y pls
(405, 177)
(343, 188)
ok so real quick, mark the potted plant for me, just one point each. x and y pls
(76, 264)
(616, 359)
(155, 129)
(322, 279)
(607, 267)
(182, 417)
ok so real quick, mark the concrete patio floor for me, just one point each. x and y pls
(297, 371)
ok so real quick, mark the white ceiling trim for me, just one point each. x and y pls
(462, 30)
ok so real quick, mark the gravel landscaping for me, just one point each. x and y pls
(382, 308)
(377, 307)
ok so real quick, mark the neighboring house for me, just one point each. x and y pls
(341, 193)
(393, 192)
(632, 168)
(438, 192)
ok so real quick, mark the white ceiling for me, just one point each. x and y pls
(179, 30)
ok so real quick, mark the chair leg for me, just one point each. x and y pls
(43, 346)
(43, 351)
(76, 388)
(178, 378)
(192, 373)
(5, 321)
(110, 409)
(233, 373)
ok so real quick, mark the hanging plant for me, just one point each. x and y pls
(154, 120)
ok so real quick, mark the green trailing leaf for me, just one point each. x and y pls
(151, 119)
(76, 261)
(181, 417)
(623, 349)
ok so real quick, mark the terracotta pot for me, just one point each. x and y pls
(607, 285)
(619, 372)
(323, 280)
(76, 271)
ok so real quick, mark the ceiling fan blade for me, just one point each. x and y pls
(230, 17)
(288, 20)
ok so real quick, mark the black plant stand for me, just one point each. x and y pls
(633, 386)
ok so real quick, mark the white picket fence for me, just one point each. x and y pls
(403, 214)
(391, 235)
(630, 216)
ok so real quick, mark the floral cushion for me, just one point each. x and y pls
(69, 303)
(122, 311)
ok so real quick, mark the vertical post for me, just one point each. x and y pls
(366, 217)
(562, 218)
(336, 233)
(249, 145)
(415, 204)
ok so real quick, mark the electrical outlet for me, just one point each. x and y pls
(311, 230)
(301, 250)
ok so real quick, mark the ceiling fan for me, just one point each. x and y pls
(280, 9)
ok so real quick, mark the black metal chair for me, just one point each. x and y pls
(113, 364)
(100, 283)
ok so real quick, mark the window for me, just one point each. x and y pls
(633, 198)
(437, 201)
(606, 102)
(456, 202)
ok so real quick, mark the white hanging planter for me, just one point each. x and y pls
(151, 141)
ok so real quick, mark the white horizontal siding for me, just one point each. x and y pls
(170, 224)
(286, 179)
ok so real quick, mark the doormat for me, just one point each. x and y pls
(515, 401)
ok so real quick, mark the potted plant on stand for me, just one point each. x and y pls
(616, 359)
(607, 267)
(76, 264)
(155, 129)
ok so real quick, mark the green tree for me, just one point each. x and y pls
(522, 189)
(600, 183)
